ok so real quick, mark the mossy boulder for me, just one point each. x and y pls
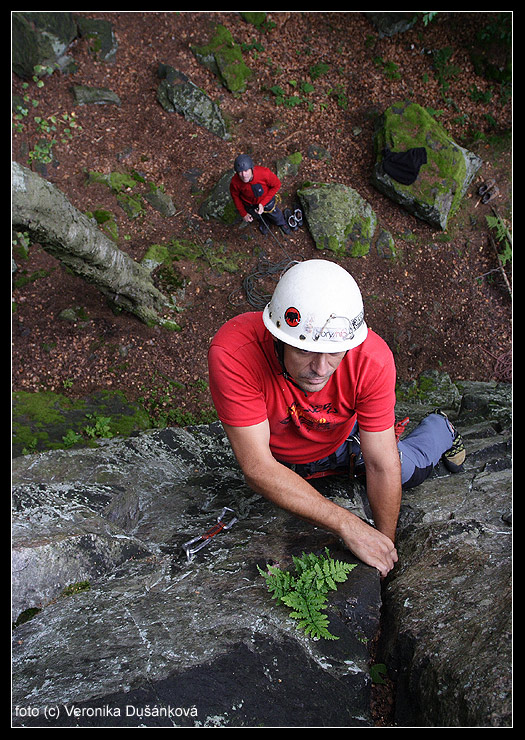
(223, 57)
(436, 194)
(339, 219)
(176, 93)
(219, 204)
(288, 166)
(41, 38)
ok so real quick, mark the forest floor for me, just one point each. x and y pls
(443, 303)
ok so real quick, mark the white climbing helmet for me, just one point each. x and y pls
(317, 306)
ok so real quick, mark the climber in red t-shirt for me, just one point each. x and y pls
(253, 189)
(300, 386)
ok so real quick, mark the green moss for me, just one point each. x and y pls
(132, 204)
(76, 588)
(120, 181)
(256, 19)
(171, 326)
(224, 58)
(230, 214)
(216, 256)
(122, 185)
(157, 254)
(49, 421)
(295, 158)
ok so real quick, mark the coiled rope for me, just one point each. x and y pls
(265, 273)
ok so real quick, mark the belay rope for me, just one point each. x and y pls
(265, 270)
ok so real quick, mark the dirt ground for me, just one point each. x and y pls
(441, 304)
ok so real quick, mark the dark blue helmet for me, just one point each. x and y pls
(242, 163)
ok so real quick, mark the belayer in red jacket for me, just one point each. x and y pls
(253, 189)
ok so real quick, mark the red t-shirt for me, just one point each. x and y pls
(247, 387)
(243, 193)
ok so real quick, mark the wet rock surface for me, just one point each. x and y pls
(155, 632)
(155, 640)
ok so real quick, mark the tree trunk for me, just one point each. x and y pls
(65, 232)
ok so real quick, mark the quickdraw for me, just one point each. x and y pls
(190, 547)
(400, 427)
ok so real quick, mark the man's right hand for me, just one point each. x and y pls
(368, 544)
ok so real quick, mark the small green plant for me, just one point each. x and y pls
(100, 428)
(71, 438)
(76, 588)
(445, 70)
(317, 70)
(390, 69)
(503, 237)
(45, 127)
(306, 591)
(428, 17)
(377, 672)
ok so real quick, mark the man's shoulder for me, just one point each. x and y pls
(375, 348)
(374, 342)
(241, 331)
(262, 172)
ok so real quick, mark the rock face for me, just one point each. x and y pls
(176, 93)
(151, 639)
(154, 630)
(447, 637)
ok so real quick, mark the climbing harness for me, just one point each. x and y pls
(191, 547)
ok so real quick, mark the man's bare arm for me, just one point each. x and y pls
(383, 478)
(287, 490)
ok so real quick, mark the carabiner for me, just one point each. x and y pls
(205, 538)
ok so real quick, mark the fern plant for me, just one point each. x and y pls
(305, 592)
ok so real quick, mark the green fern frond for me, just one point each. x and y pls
(328, 572)
(306, 593)
(307, 606)
(307, 610)
(279, 582)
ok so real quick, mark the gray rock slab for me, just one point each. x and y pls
(158, 640)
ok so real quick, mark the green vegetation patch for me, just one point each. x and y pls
(216, 256)
(223, 56)
(50, 421)
(305, 592)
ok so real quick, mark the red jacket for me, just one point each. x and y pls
(243, 193)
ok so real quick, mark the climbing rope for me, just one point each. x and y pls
(265, 271)
(503, 368)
